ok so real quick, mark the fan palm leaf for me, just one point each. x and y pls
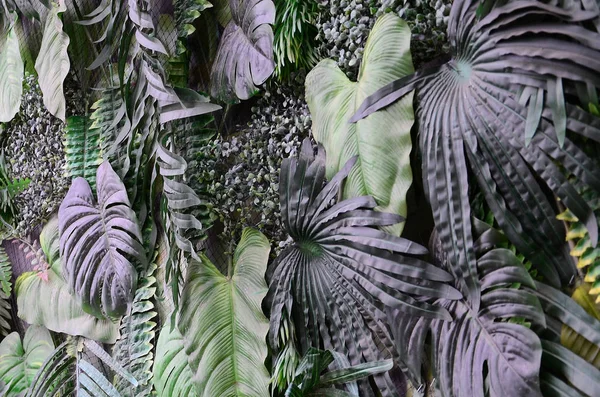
(500, 108)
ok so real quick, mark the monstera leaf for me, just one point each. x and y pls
(48, 302)
(52, 63)
(500, 109)
(480, 341)
(340, 273)
(20, 360)
(383, 139)
(11, 75)
(97, 242)
(224, 330)
(245, 56)
(172, 373)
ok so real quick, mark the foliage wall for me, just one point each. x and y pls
(299, 198)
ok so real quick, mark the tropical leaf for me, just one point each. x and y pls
(20, 360)
(134, 350)
(340, 273)
(224, 330)
(172, 373)
(46, 300)
(52, 63)
(82, 149)
(563, 372)
(66, 372)
(96, 242)
(382, 140)
(311, 381)
(500, 108)
(294, 43)
(481, 348)
(5, 291)
(575, 342)
(245, 56)
(11, 74)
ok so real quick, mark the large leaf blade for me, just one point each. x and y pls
(383, 139)
(96, 241)
(20, 360)
(52, 63)
(11, 76)
(223, 327)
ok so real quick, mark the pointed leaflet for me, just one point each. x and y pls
(11, 75)
(20, 360)
(97, 242)
(224, 330)
(245, 55)
(82, 148)
(52, 63)
(383, 139)
(5, 290)
(49, 302)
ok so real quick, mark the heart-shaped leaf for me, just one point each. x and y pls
(20, 360)
(383, 139)
(97, 242)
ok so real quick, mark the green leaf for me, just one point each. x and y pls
(383, 139)
(5, 291)
(49, 302)
(20, 360)
(11, 75)
(52, 63)
(97, 242)
(172, 373)
(479, 349)
(223, 327)
(82, 148)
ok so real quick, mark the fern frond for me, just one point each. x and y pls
(66, 372)
(186, 12)
(82, 148)
(8, 190)
(134, 350)
(5, 290)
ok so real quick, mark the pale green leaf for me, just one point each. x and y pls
(223, 327)
(172, 373)
(49, 303)
(20, 360)
(381, 140)
(52, 63)
(11, 76)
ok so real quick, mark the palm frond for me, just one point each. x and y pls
(501, 108)
(341, 273)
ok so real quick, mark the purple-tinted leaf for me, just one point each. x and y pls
(245, 56)
(98, 242)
